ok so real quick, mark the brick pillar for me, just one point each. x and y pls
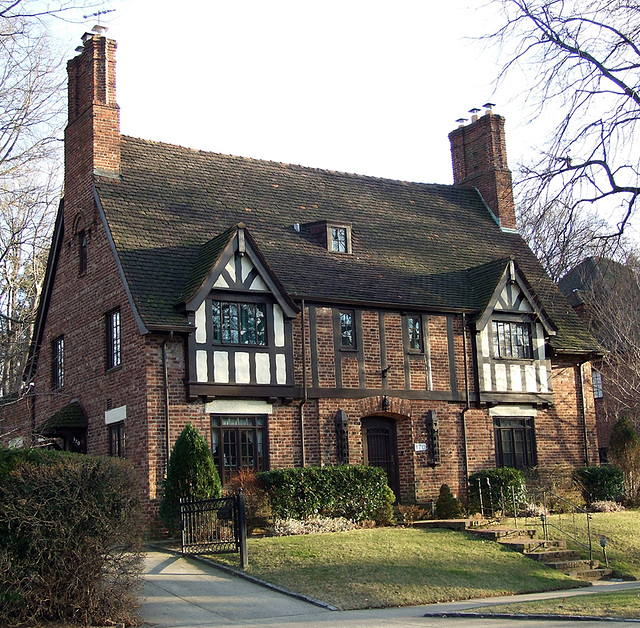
(92, 136)
(479, 157)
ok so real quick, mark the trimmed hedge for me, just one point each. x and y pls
(71, 535)
(599, 484)
(496, 493)
(355, 492)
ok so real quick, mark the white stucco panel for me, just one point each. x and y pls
(486, 376)
(258, 284)
(281, 368)
(278, 326)
(243, 369)
(220, 367)
(484, 341)
(544, 379)
(231, 269)
(263, 368)
(202, 366)
(201, 324)
(220, 282)
(530, 378)
(238, 406)
(516, 378)
(247, 267)
(501, 377)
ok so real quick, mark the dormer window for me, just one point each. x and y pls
(512, 340)
(335, 237)
(339, 239)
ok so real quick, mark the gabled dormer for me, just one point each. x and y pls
(242, 341)
(512, 330)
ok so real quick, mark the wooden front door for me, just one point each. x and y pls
(380, 448)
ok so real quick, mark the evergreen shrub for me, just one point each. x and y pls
(599, 483)
(191, 473)
(355, 492)
(447, 505)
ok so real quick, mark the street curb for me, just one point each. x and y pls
(240, 574)
(461, 614)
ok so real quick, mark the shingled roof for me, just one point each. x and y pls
(415, 246)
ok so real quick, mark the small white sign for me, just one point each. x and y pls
(420, 446)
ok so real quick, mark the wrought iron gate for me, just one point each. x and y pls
(214, 526)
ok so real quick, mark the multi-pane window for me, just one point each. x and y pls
(512, 340)
(114, 335)
(238, 442)
(116, 439)
(598, 393)
(239, 323)
(339, 242)
(414, 328)
(515, 442)
(57, 363)
(347, 335)
(82, 251)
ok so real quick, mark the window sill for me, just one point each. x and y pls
(113, 368)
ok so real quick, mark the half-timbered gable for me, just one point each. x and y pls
(242, 322)
(512, 335)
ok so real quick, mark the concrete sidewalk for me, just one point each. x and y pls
(184, 593)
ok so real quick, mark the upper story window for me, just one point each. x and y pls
(57, 363)
(598, 392)
(347, 335)
(114, 336)
(414, 329)
(82, 251)
(512, 340)
(239, 323)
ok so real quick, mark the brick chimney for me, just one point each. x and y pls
(479, 157)
(92, 136)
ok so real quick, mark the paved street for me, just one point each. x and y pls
(185, 593)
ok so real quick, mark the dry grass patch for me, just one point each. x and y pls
(395, 567)
(616, 604)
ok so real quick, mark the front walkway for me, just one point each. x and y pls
(184, 593)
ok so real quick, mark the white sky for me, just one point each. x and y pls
(371, 87)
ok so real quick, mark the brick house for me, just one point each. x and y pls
(299, 316)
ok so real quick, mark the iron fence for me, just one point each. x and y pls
(214, 526)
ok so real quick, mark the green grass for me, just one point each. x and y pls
(620, 528)
(618, 604)
(395, 567)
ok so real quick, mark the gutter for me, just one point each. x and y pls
(583, 405)
(165, 378)
(467, 407)
(305, 394)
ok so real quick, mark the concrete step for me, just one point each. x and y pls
(594, 574)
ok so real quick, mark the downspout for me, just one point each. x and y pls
(304, 382)
(165, 374)
(466, 406)
(584, 416)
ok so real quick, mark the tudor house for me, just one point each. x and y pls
(299, 316)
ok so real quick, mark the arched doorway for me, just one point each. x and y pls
(381, 449)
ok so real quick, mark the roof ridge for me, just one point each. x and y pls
(293, 165)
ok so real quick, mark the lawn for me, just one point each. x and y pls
(618, 604)
(395, 567)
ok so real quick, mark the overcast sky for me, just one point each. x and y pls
(371, 87)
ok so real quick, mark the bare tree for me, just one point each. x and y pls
(32, 116)
(582, 61)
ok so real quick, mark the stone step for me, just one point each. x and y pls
(553, 556)
(528, 546)
(594, 574)
(502, 533)
(572, 566)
